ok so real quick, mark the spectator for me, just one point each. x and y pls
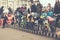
(49, 7)
(31, 1)
(33, 8)
(57, 7)
(57, 12)
(50, 13)
(10, 10)
(23, 8)
(39, 8)
(1, 10)
(4, 21)
(17, 10)
(28, 10)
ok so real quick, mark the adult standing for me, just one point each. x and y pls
(33, 8)
(57, 7)
(39, 8)
(57, 12)
(1, 10)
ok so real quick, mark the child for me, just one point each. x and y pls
(50, 13)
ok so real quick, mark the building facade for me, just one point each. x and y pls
(13, 3)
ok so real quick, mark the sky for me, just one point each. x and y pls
(45, 2)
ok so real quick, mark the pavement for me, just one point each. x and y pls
(12, 34)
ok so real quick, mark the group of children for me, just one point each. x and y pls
(30, 20)
(6, 19)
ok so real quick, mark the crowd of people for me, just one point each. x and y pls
(46, 18)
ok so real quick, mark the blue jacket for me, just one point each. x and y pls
(50, 13)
